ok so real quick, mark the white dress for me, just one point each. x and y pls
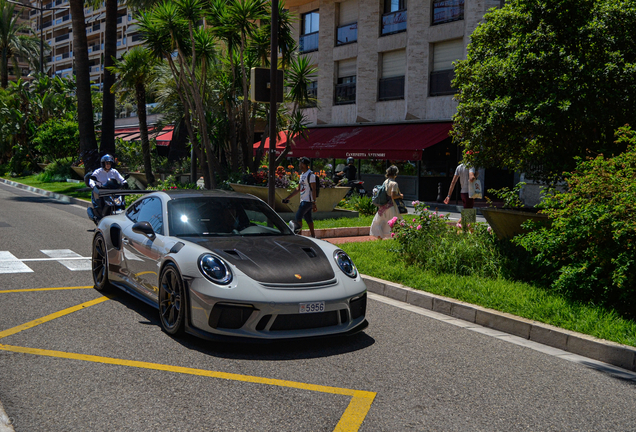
(380, 225)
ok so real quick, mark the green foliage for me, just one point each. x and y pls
(546, 81)
(509, 196)
(169, 183)
(57, 171)
(57, 139)
(360, 203)
(378, 259)
(589, 251)
(426, 240)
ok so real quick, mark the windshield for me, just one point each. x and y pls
(223, 217)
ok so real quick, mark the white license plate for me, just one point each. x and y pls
(311, 307)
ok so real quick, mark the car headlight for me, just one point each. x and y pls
(345, 263)
(215, 269)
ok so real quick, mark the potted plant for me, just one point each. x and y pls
(286, 182)
(507, 221)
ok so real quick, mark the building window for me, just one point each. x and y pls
(394, 17)
(442, 74)
(447, 10)
(347, 31)
(393, 73)
(345, 92)
(309, 32)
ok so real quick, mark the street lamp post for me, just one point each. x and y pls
(273, 136)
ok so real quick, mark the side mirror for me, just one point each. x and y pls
(144, 228)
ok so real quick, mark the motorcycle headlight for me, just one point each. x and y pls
(215, 269)
(345, 263)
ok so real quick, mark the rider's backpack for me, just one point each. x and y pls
(379, 197)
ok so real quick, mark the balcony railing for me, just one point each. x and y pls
(308, 42)
(120, 20)
(347, 34)
(394, 22)
(391, 88)
(47, 24)
(441, 82)
(136, 37)
(345, 94)
(62, 38)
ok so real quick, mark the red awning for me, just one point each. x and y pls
(162, 137)
(397, 141)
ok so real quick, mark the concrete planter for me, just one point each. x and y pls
(326, 202)
(80, 171)
(507, 223)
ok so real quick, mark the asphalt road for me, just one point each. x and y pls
(108, 366)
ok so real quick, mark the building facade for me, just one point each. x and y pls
(58, 33)
(381, 64)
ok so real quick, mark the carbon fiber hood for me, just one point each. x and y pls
(280, 259)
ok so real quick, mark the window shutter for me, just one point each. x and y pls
(348, 12)
(347, 68)
(445, 53)
(393, 64)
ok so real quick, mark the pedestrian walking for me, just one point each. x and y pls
(307, 189)
(466, 175)
(380, 226)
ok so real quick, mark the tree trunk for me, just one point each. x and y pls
(4, 68)
(88, 143)
(110, 51)
(140, 90)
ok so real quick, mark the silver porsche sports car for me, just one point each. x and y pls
(223, 265)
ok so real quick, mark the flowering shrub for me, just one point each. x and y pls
(428, 240)
(286, 178)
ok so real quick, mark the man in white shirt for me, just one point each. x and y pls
(465, 175)
(106, 172)
(307, 189)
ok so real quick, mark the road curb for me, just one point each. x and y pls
(588, 346)
(56, 196)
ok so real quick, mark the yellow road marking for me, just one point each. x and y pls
(44, 289)
(50, 317)
(350, 421)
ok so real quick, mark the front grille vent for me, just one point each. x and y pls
(232, 317)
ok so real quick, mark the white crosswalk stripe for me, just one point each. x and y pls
(10, 264)
(73, 261)
(71, 264)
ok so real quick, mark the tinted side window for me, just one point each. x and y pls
(133, 212)
(150, 211)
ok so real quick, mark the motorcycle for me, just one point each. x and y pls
(355, 186)
(107, 199)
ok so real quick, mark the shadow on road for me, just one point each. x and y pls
(248, 350)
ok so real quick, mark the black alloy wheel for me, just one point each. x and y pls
(100, 264)
(172, 301)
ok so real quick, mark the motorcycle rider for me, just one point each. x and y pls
(106, 173)
(349, 171)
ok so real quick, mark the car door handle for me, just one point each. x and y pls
(125, 241)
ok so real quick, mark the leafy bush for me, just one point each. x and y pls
(57, 171)
(360, 203)
(589, 251)
(169, 183)
(425, 239)
(57, 139)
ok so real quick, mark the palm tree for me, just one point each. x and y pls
(135, 69)
(88, 142)
(13, 44)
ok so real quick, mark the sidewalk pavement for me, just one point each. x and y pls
(598, 349)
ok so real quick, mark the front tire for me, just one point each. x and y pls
(172, 301)
(99, 266)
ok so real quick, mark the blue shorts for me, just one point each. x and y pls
(304, 211)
